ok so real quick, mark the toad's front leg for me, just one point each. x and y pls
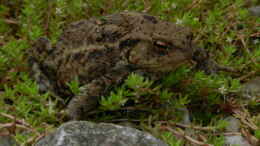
(86, 100)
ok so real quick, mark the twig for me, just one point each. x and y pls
(252, 140)
(212, 129)
(255, 34)
(244, 77)
(11, 21)
(182, 134)
(196, 127)
(47, 19)
(246, 49)
(203, 138)
(226, 69)
(190, 126)
(147, 6)
(9, 125)
(124, 120)
(19, 123)
(227, 133)
(16, 120)
(239, 114)
(4, 134)
(33, 139)
(193, 4)
(6, 125)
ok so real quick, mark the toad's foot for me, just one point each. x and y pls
(85, 101)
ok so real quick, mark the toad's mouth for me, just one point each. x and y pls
(165, 65)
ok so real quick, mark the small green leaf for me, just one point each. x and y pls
(115, 100)
(166, 95)
(74, 86)
(221, 124)
(135, 81)
(257, 134)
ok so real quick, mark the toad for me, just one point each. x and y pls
(101, 52)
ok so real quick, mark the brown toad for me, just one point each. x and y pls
(102, 52)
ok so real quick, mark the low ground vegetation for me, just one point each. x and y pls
(223, 27)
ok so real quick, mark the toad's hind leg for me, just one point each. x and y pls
(41, 79)
(40, 48)
(86, 100)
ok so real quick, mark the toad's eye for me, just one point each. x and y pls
(161, 48)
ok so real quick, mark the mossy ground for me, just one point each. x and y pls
(223, 27)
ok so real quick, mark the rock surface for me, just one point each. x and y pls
(251, 89)
(255, 11)
(234, 126)
(7, 141)
(236, 140)
(83, 133)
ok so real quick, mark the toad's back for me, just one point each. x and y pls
(91, 48)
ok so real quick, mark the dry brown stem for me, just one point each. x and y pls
(22, 122)
(190, 126)
(188, 138)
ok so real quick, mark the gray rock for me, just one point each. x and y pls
(83, 133)
(236, 140)
(251, 89)
(233, 124)
(255, 11)
(7, 141)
